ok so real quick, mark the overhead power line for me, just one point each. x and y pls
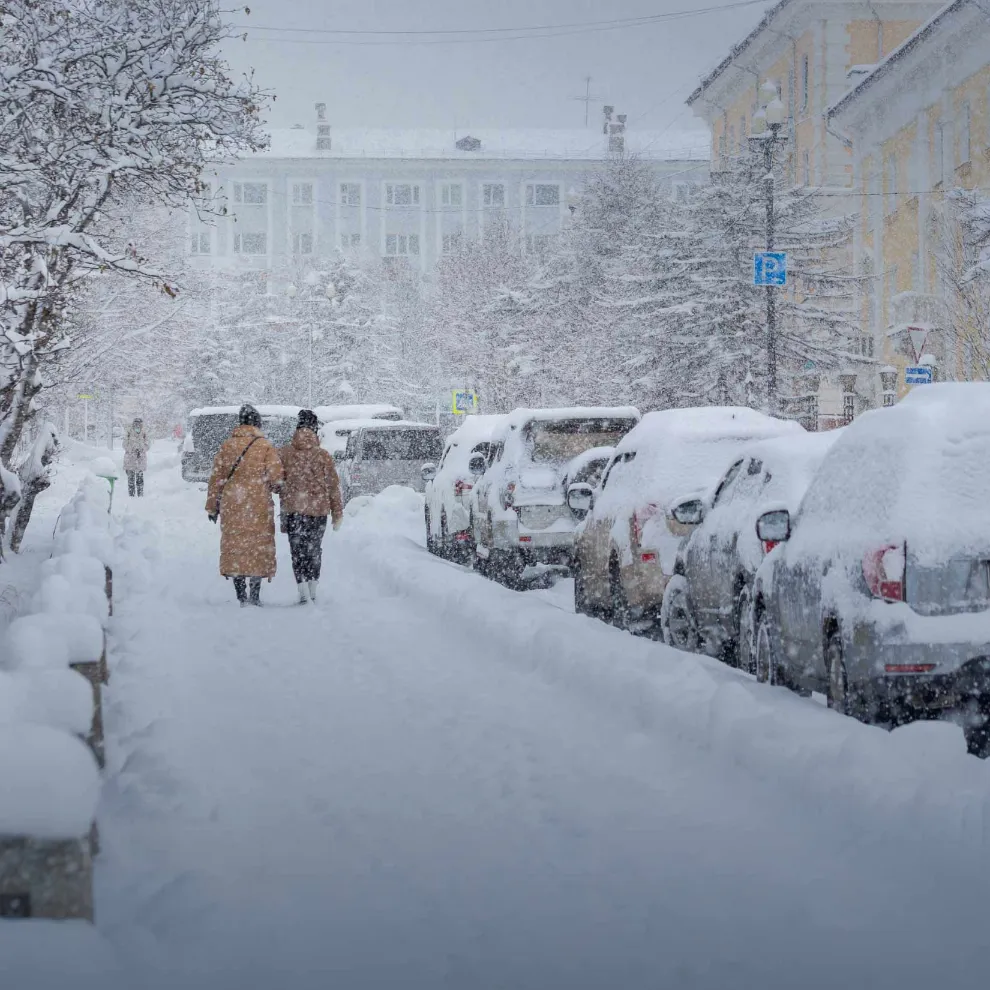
(439, 36)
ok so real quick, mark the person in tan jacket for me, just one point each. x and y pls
(246, 472)
(311, 493)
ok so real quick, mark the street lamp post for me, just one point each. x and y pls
(765, 129)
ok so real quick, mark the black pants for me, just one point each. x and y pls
(306, 542)
(135, 480)
(240, 589)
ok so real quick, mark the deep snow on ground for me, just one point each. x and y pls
(427, 780)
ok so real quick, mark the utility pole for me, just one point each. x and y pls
(766, 127)
(587, 100)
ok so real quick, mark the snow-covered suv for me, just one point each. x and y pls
(520, 510)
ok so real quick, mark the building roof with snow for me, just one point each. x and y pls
(510, 145)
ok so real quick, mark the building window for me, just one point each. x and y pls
(742, 132)
(452, 194)
(350, 241)
(732, 139)
(302, 243)
(251, 193)
(537, 243)
(680, 192)
(891, 184)
(401, 245)
(848, 407)
(256, 243)
(451, 242)
(350, 194)
(401, 195)
(939, 153)
(542, 195)
(302, 193)
(965, 142)
(806, 165)
(493, 194)
(201, 243)
(805, 83)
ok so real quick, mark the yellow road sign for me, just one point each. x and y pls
(463, 402)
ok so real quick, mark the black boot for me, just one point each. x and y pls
(240, 589)
(256, 591)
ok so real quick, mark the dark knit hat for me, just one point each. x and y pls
(308, 420)
(249, 416)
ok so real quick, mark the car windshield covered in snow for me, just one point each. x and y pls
(210, 430)
(402, 445)
(556, 442)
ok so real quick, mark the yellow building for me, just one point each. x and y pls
(813, 51)
(917, 127)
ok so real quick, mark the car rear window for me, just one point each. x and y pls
(559, 441)
(209, 432)
(402, 445)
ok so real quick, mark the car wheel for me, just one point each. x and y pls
(739, 652)
(581, 604)
(446, 548)
(680, 630)
(618, 604)
(840, 696)
(764, 662)
(431, 544)
(507, 567)
(978, 739)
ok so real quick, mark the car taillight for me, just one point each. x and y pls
(883, 571)
(768, 545)
(640, 518)
(648, 558)
(509, 496)
(462, 487)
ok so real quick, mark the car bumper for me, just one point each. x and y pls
(644, 583)
(194, 469)
(536, 546)
(923, 676)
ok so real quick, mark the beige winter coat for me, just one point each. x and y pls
(247, 513)
(136, 446)
(312, 487)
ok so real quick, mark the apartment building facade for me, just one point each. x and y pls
(812, 51)
(415, 196)
(919, 127)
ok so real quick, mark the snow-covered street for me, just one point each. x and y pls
(427, 780)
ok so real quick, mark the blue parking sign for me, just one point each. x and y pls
(464, 402)
(770, 268)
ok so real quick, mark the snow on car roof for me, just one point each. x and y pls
(585, 458)
(328, 414)
(683, 452)
(519, 417)
(917, 471)
(234, 410)
(477, 428)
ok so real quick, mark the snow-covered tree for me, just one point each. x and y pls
(101, 101)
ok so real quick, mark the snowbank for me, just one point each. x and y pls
(49, 781)
(56, 955)
(919, 774)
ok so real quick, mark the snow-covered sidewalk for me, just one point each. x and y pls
(429, 781)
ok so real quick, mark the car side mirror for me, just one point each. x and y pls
(477, 465)
(428, 472)
(580, 499)
(774, 527)
(689, 513)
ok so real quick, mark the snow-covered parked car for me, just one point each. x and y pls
(449, 486)
(521, 515)
(588, 468)
(627, 545)
(880, 592)
(388, 453)
(706, 604)
(211, 425)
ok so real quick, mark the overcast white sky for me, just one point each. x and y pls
(645, 71)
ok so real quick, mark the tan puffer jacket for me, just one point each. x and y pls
(312, 486)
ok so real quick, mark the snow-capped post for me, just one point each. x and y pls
(765, 130)
(69, 177)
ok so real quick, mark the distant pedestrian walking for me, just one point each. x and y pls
(246, 472)
(311, 493)
(136, 446)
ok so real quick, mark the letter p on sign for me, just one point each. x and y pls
(770, 268)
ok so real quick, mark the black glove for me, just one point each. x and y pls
(213, 516)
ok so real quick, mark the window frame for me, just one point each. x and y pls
(964, 135)
(415, 195)
(297, 193)
(446, 195)
(488, 197)
(238, 243)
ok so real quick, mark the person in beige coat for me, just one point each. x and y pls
(310, 494)
(247, 471)
(136, 447)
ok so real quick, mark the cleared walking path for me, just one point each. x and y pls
(381, 791)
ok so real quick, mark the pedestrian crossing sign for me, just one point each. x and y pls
(464, 402)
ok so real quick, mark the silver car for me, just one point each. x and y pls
(388, 454)
(210, 426)
(706, 604)
(879, 595)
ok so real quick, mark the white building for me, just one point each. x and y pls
(417, 194)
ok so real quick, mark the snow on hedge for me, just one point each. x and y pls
(49, 780)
